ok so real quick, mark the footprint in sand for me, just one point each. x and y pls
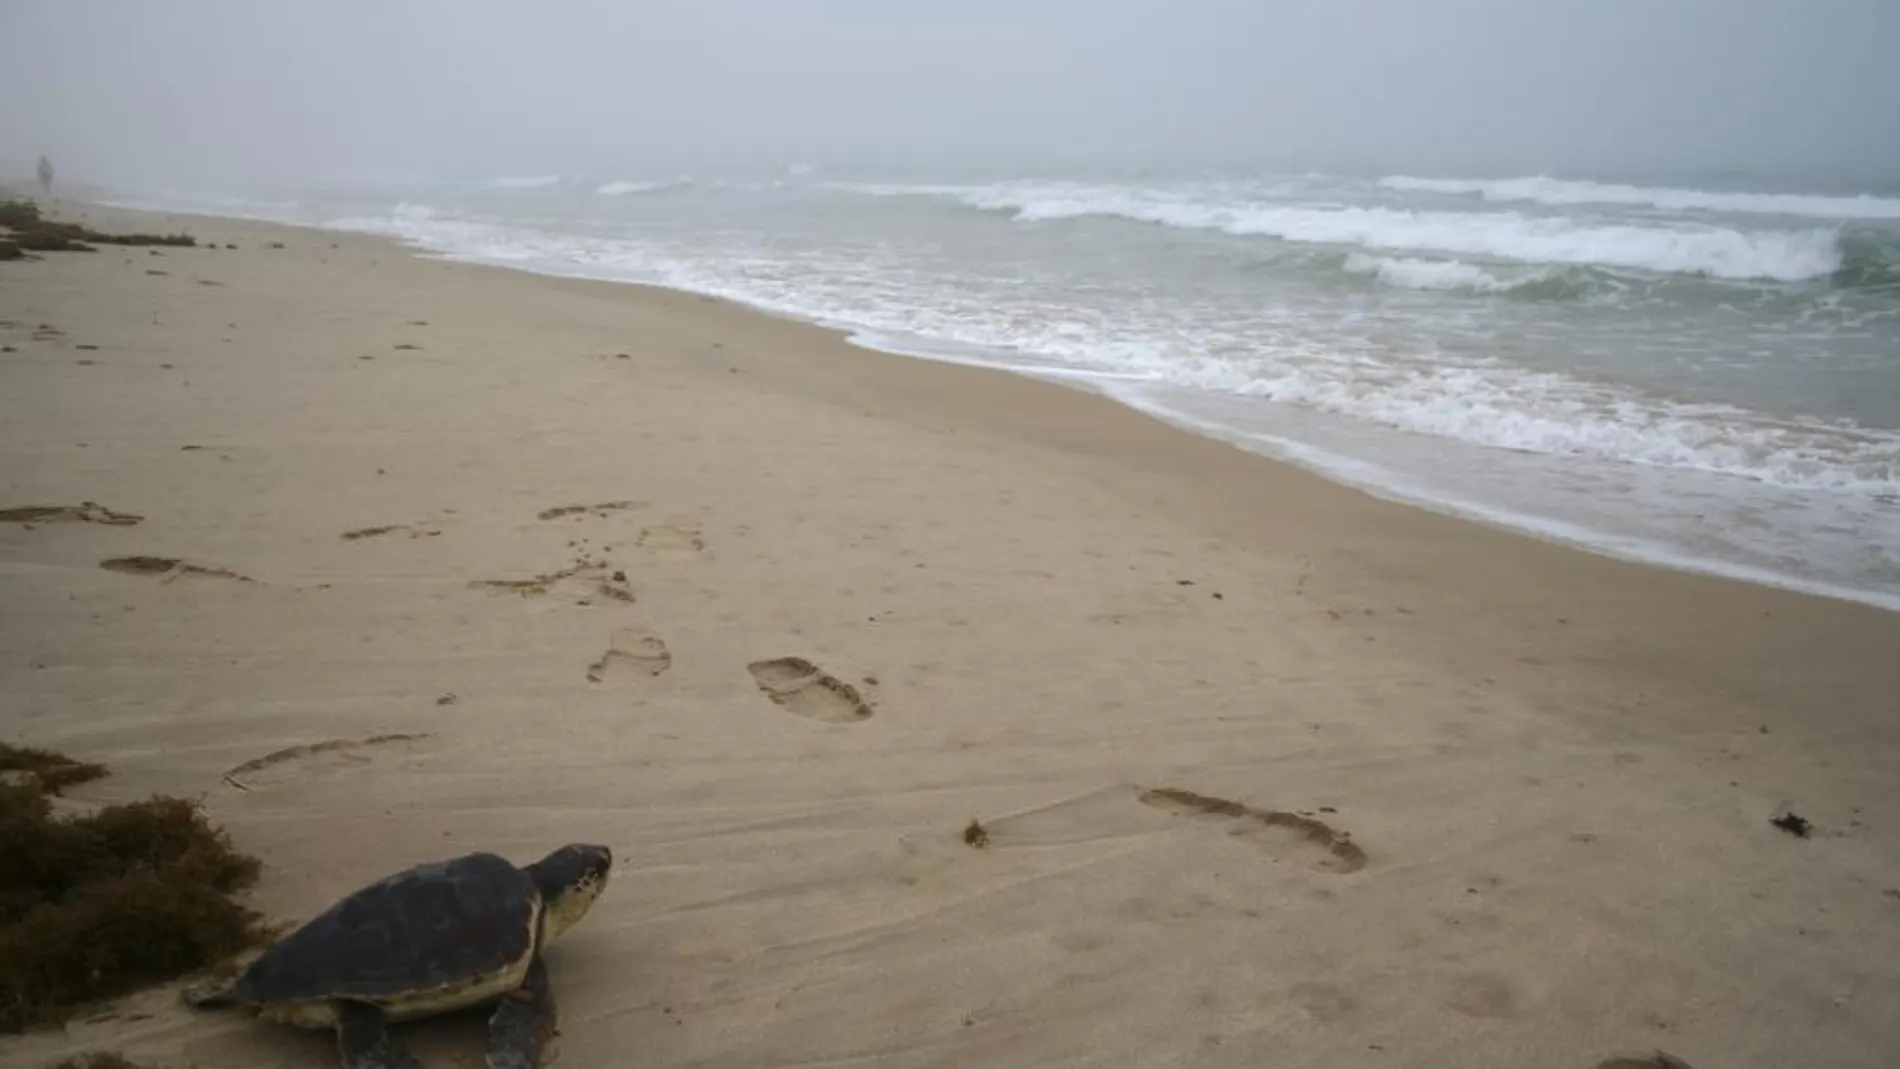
(803, 689)
(585, 582)
(169, 569)
(311, 760)
(1283, 836)
(670, 541)
(632, 655)
(423, 530)
(1658, 1060)
(85, 512)
(580, 512)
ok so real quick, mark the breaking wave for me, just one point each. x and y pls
(1682, 248)
(1416, 274)
(1562, 191)
(622, 189)
(1455, 276)
(1869, 261)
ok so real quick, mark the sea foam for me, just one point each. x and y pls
(1412, 273)
(1560, 192)
(624, 188)
(1785, 255)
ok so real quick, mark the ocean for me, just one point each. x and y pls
(1702, 375)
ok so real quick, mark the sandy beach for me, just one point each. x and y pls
(1271, 772)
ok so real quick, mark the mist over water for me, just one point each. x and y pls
(1675, 93)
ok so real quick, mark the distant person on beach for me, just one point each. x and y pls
(46, 176)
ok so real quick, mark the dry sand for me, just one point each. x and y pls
(1530, 788)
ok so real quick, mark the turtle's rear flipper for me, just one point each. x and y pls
(524, 1022)
(364, 1040)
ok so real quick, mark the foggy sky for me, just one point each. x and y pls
(137, 91)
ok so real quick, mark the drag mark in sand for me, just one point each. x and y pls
(85, 512)
(1282, 836)
(599, 511)
(415, 531)
(580, 583)
(1658, 1060)
(168, 569)
(632, 655)
(342, 753)
(803, 689)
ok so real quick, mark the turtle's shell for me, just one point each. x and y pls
(438, 925)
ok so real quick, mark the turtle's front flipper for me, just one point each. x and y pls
(524, 1023)
(365, 1042)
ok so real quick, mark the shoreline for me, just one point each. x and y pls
(1337, 470)
(1528, 546)
(530, 557)
(1343, 471)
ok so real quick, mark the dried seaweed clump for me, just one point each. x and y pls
(34, 232)
(100, 1059)
(51, 771)
(975, 834)
(97, 905)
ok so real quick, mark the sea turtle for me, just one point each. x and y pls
(430, 939)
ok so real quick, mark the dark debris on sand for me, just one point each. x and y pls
(97, 905)
(976, 834)
(1658, 1060)
(1794, 824)
(30, 231)
(49, 771)
(100, 1059)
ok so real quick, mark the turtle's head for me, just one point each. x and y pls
(569, 880)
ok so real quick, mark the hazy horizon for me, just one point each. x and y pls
(214, 90)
